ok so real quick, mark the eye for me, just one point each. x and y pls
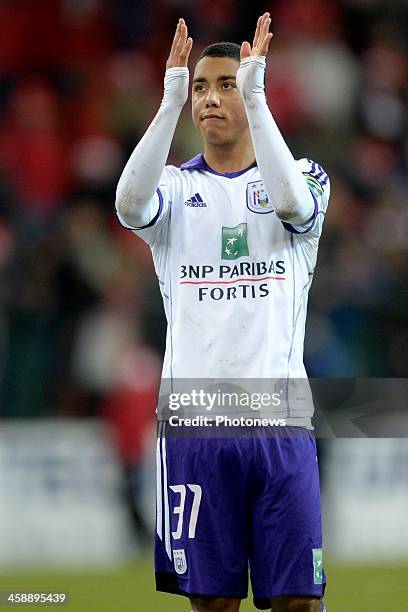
(228, 85)
(198, 87)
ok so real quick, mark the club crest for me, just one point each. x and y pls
(180, 563)
(257, 198)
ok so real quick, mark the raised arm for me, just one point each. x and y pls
(283, 180)
(141, 175)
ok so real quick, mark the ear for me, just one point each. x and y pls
(245, 50)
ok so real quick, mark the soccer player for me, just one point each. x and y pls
(234, 235)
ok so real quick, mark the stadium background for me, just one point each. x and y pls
(82, 327)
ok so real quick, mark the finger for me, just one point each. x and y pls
(176, 35)
(181, 40)
(182, 31)
(245, 50)
(266, 26)
(264, 38)
(178, 28)
(263, 25)
(265, 45)
(259, 29)
(256, 35)
(185, 54)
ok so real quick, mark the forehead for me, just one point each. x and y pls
(211, 68)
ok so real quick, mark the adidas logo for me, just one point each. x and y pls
(195, 201)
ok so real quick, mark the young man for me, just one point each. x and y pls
(234, 236)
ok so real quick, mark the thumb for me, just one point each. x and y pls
(245, 50)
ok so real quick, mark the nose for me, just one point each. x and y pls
(213, 99)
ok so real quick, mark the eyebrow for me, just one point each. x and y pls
(220, 78)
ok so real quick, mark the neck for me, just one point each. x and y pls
(228, 158)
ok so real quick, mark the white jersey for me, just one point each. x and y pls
(234, 278)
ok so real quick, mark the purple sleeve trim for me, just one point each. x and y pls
(153, 221)
(292, 229)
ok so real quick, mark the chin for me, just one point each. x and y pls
(215, 138)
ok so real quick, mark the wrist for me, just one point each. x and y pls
(253, 59)
(175, 72)
(251, 76)
(175, 87)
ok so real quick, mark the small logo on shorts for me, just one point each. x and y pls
(180, 563)
(317, 565)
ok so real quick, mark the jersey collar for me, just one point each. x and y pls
(198, 163)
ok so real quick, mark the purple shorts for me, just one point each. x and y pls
(229, 505)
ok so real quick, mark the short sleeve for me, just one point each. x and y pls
(319, 186)
(157, 213)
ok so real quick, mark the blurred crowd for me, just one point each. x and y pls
(81, 323)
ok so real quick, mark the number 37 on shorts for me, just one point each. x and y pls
(181, 490)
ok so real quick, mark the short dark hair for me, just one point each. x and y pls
(221, 49)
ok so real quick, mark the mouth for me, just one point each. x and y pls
(212, 117)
